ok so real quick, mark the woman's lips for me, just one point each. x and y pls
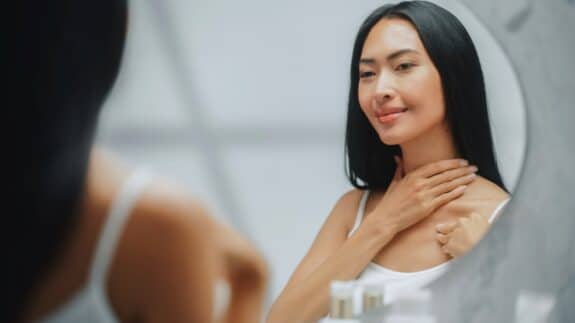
(391, 116)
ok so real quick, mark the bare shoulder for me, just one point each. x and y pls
(485, 196)
(161, 205)
(166, 216)
(345, 209)
(168, 203)
(481, 196)
(166, 246)
(164, 212)
(486, 189)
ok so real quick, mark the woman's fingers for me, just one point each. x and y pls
(451, 185)
(445, 228)
(450, 175)
(463, 234)
(453, 246)
(442, 238)
(444, 198)
(448, 249)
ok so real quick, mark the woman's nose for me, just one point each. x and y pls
(384, 90)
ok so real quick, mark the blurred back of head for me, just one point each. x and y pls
(63, 59)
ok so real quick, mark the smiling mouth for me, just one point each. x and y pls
(390, 115)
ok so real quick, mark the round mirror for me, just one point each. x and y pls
(246, 104)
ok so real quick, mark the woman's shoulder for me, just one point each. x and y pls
(162, 203)
(481, 196)
(482, 188)
(168, 203)
(350, 198)
(167, 213)
(166, 231)
(346, 207)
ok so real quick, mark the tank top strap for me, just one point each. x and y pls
(498, 210)
(360, 212)
(111, 232)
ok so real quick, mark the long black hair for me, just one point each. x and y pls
(65, 57)
(369, 163)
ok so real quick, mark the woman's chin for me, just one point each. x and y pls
(390, 139)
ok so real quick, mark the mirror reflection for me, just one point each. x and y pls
(408, 116)
(261, 135)
(420, 156)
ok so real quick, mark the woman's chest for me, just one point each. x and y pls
(417, 247)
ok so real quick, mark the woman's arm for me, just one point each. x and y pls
(177, 280)
(334, 257)
(331, 257)
(246, 272)
(173, 254)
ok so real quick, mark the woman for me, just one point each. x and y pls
(87, 239)
(416, 93)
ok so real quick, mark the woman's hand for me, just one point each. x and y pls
(412, 197)
(246, 272)
(457, 238)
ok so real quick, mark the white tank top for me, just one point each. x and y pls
(396, 282)
(91, 304)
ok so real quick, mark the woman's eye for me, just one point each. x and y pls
(366, 74)
(404, 66)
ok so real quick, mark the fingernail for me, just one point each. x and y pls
(464, 162)
(471, 176)
(461, 188)
(473, 169)
(439, 227)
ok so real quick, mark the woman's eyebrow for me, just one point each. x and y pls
(400, 52)
(390, 57)
(369, 61)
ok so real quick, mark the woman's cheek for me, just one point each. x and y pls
(364, 103)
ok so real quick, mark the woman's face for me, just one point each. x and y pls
(399, 87)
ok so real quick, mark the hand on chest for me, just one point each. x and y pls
(416, 248)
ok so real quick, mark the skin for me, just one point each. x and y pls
(457, 238)
(168, 259)
(396, 71)
(430, 186)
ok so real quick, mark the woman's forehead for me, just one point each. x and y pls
(391, 35)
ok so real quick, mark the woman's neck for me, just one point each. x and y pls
(434, 145)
